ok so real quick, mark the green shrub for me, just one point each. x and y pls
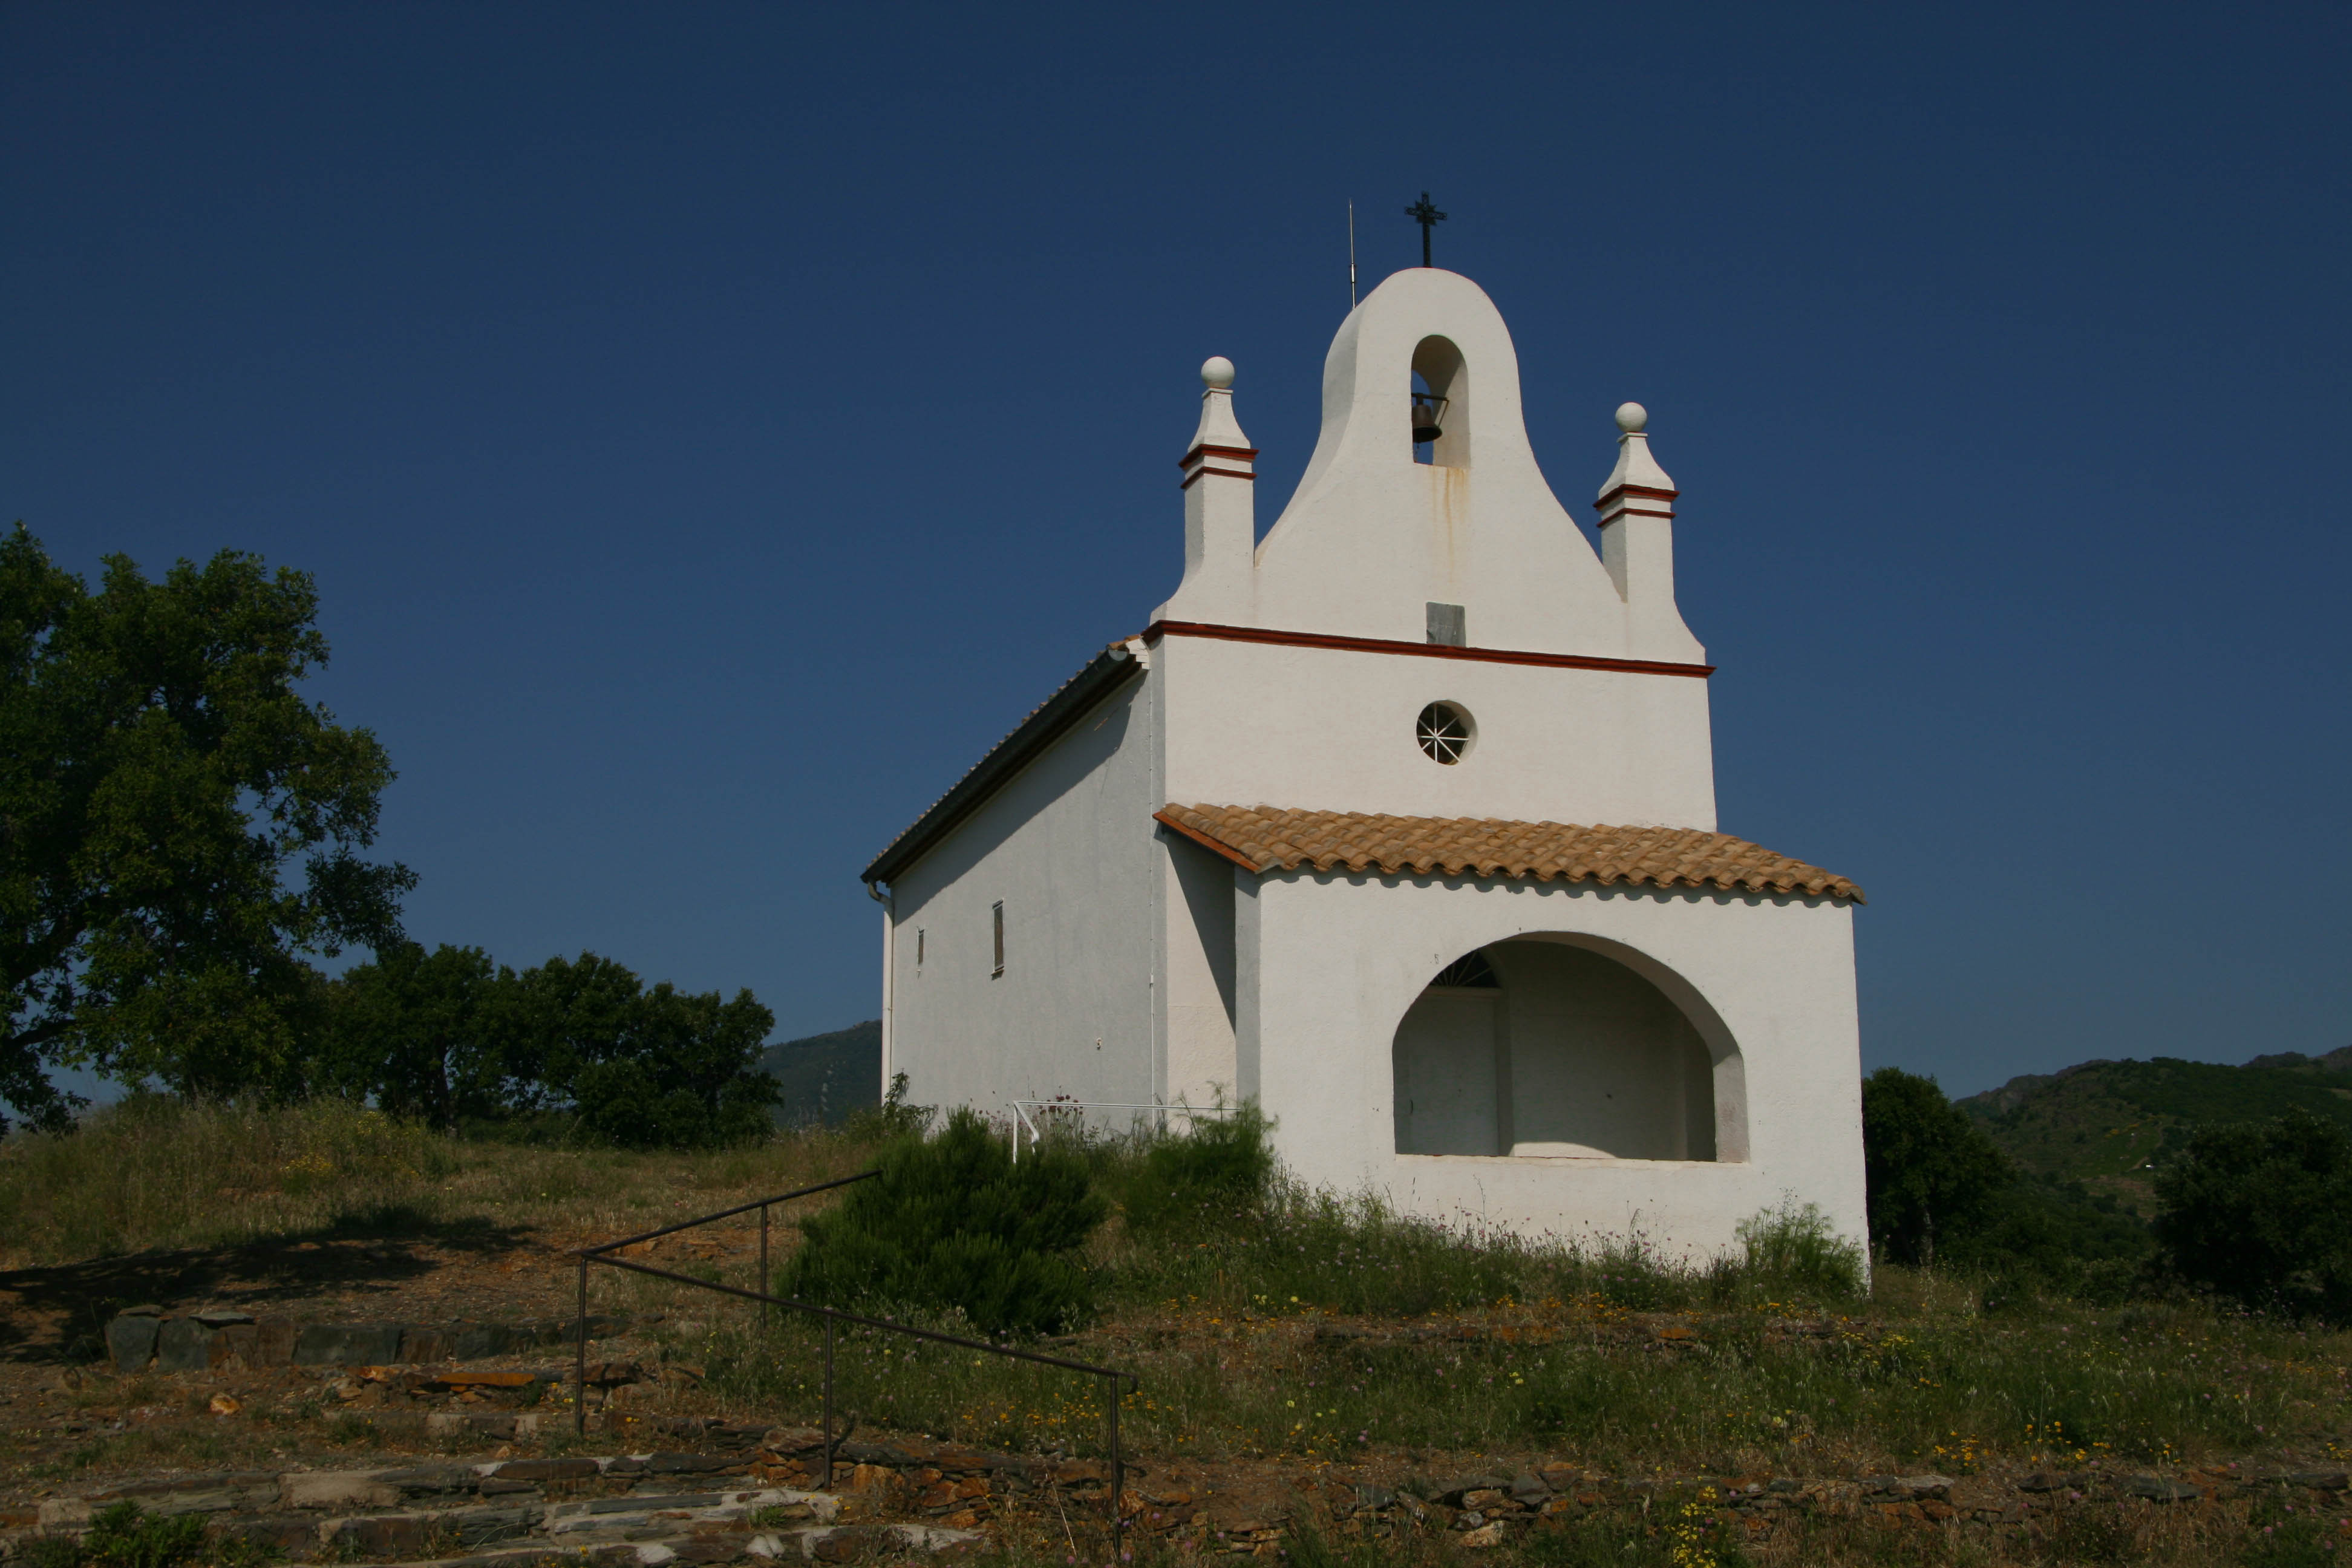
(2058, 1238)
(47, 1551)
(1203, 1178)
(894, 1117)
(569, 1048)
(1934, 1177)
(2261, 1212)
(953, 1225)
(124, 1537)
(1791, 1251)
(690, 1078)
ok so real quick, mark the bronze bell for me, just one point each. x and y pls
(1428, 417)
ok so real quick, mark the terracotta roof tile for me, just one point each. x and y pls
(1265, 838)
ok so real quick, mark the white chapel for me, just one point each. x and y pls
(1400, 823)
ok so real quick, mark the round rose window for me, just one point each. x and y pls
(1445, 732)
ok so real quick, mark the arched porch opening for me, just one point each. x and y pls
(1565, 1047)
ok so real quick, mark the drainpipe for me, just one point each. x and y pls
(889, 903)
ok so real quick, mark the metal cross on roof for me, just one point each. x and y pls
(1422, 213)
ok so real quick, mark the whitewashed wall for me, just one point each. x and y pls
(1197, 990)
(1330, 729)
(1068, 847)
(1329, 964)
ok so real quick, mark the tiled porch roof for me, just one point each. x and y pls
(1267, 838)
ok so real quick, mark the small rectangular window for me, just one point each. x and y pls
(997, 916)
(919, 947)
(1449, 625)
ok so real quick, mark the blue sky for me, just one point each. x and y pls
(712, 426)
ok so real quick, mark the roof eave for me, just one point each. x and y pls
(1104, 674)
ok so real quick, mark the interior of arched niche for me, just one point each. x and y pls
(1566, 1046)
(1442, 370)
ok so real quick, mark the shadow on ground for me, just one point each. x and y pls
(57, 1313)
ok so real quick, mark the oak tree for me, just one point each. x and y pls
(179, 826)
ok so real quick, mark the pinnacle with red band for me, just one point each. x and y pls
(1637, 487)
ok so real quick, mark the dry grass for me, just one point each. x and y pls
(152, 1174)
(1524, 1348)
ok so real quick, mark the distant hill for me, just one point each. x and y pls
(827, 1077)
(2109, 1125)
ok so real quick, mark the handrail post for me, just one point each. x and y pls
(833, 1318)
(580, 1358)
(1116, 1471)
(827, 1482)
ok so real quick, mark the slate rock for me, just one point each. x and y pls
(2156, 1488)
(1454, 1490)
(2320, 1480)
(477, 1341)
(221, 1317)
(131, 1340)
(1527, 1488)
(235, 1345)
(335, 1489)
(480, 1526)
(346, 1344)
(566, 1330)
(194, 1494)
(791, 1439)
(432, 1480)
(273, 1343)
(546, 1470)
(184, 1345)
(386, 1535)
(847, 1543)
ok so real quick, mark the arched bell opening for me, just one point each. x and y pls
(1441, 404)
(1555, 1046)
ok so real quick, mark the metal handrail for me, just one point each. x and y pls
(831, 1315)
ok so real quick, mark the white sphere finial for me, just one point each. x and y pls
(1632, 417)
(1217, 373)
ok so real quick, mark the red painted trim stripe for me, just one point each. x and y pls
(1651, 491)
(1244, 453)
(1159, 629)
(1220, 473)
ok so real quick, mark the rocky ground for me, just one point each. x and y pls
(500, 1490)
(452, 1457)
